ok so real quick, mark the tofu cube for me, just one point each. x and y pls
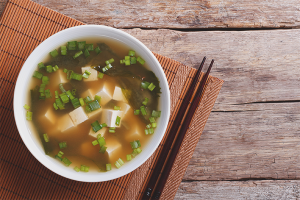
(50, 115)
(101, 131)
(65, 123)
(113, 147)
(105, 95)
(109, 117)
(124, 107)
(93, 76)
(78, 116)
(62, 76)
(87, 93)
(118, 95)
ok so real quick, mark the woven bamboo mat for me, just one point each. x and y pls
(24, 25)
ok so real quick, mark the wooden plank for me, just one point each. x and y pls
(180, 14)
(278, 189)
(253, 131)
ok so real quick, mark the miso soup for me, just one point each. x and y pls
(94, 104)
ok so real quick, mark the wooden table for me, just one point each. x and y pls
(251, 143)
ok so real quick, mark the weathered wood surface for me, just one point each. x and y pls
(239, 190)
(180, 14)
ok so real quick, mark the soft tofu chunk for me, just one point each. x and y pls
(64, 123)
(113, 147)
(101, 131)
(134, 134)
(109, 117)
(93, 76)
(105, 95)
(124, 107)
(50, 115)
(118, 95)
(62, 76)
(87, 93)
(78, 116)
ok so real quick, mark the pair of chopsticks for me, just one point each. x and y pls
(185, 125)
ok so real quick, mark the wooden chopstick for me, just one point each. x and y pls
(185, 126)
(172, 134)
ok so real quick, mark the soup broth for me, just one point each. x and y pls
(79, 136)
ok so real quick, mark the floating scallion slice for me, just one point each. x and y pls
(85, 75)
(75, 76)
(69, 94)
(64, 98)
(62, 145)
(60, 154)
(112, 130)
(98, 98)
(119, 163)
(136, 112)
(48, 94)
(148, 126)
(132, 60)
(75, 102)
(143, 110)
(56, 94)
(84, 168)
(151, 87)
(26, 107)
(49, 68)
(103, 149)
(77, 54)
(59, 104)
(41, 65)
(152, 119)
(93, 105)
(108, 167)
(131, 53)
(42, 88)
(55, 106)
(118, 119)
(45, 80)
(156, 114)
(54, 53)
(154, 125)
(145, 84)
(101, 141)
(72, 45)
(97, 50)
(151, 130)
(135, 144)
(117, 108)
(37, 74)
(46, 138)
(89, 47)
(61, 87)
(66, 161)
(65, 70)
(57, 157)
(127, 62)
(81, 45)
(81, 101)
(140, 60)
(87, 99)
(100, 75)
(103, 125)
(55, 68)
(128, 157)
(86, 53)
(145, 101)
(95, 142)
(146, 131)
(96, 126)
(63, 50)
(76, 169)
(74, 92)
(42, 96)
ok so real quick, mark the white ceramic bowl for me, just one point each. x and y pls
(21, 94)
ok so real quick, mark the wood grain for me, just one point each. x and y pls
(257, 190)
(181, 14)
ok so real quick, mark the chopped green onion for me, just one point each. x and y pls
(152, 119)
(121, 61)
(143, 110)
(100, 75)
(97, 50)
(128, 157)
(131, 53)
(59, 104)
(132, 60)
(151, 130)
(145, 84)
(136, 112)
(93, 105)
(56, 94)
(95, 142)
(117, 108)
(46, 138)
(99, 136)
(77, 54)
(26, 107)
(42, 87)
(119, 163)
(72, 45)
(60, 154)
(145, 101)
(37, 74)
(61, 87)
(76, 169)
(135, 152)
(41, 65)
(87, 99)
(75, 76)
(85, 75)
(96, 126)
(89, 47)
(86, 53)
(135, 144)
(81, 101)
(74, 92)
(54, 53)
(154, 125)
(127, 62)
(103, 125)
(75, 102)
(101, 141)
(148, 126)
(111, 131)
(49, 68)
(87, 109)
(57, 157)
(138, 150)
(98, 98)
(66, 161)
(140, 60)
(65, 70)
(64, 98)
(81, 45)
(55, 106)
(151, 87)
(146, 131)
(104, 69)
(111, 60)
(42, 96)
(87, 72)
(62, 145)
(69, 93)
(109, 66)
(84, 168)
(127, 58)
(55, 68)
(118, 119)
(108, 167)
(63, 50)
(45, 80)
(103, 149)
(48, 94)
(156, 114)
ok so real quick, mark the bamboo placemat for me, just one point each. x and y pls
(24, 25)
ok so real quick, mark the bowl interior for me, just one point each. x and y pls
(21, 95)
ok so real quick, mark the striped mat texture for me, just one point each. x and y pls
(23, 26)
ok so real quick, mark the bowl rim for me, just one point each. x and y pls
(25, 133)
